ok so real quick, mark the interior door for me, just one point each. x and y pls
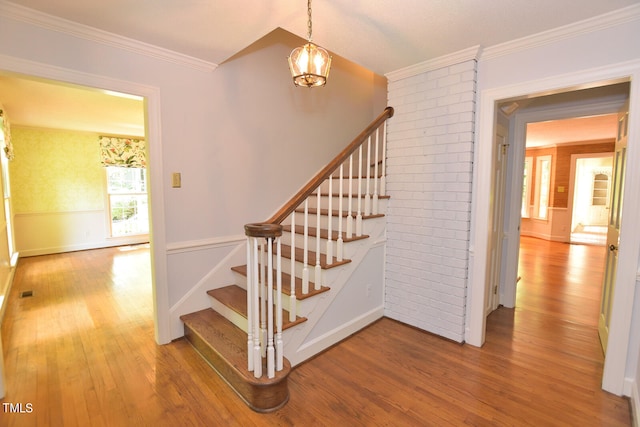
(497, 229)
(613, 227)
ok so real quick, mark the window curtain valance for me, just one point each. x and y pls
(6, 130)
(122, 152)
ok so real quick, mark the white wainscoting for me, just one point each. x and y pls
(56, 232)
(196, 267)
(556, 228)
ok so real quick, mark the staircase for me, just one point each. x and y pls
(305, 266)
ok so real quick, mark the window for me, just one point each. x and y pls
(127, 193)
(543, 186)
(526, 187)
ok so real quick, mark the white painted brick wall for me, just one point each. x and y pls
(430, 164)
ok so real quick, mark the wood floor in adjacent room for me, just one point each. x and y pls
(81, 352)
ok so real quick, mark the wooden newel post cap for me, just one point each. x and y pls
(263, 230)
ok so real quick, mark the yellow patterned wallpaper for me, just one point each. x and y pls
(55, 171)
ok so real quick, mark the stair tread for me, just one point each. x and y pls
(299, 254)
(313, 211)
(286, 284)
(324, 233)
(224, 347)
(235, 298)
(229, 340)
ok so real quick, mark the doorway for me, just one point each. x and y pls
(591, 176)
(547, 214)
(539, 109)
(151, 95)
(63, 179)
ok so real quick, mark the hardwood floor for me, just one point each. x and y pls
(81, 352)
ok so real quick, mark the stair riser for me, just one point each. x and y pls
(326, 275)
(237, 319)
(355, 184)
(241, 281)
(335, 203)
(299, 238)
(286, 268)
(324, 221)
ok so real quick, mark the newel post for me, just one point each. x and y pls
(261, 339)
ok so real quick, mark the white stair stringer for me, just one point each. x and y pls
(355, 300)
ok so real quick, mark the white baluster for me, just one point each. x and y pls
(349, 215)
(279, 343)
(305, 268)
(271, 354)
(374, 208)
(257, 353)
(339, 243)
(249, 306)
(383, 171)
(292, 296)
(318, 270)
(359, 213)
(263, 303)
(367, 196)
(330, 226)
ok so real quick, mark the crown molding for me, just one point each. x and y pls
(85, 32)
(464, 55)
(600, 22)
(597, 23)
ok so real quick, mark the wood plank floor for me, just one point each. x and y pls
(81, 352)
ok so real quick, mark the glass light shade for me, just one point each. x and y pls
(309, 65)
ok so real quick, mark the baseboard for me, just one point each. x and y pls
(196, 298)
(635, 403)
(4, 296)
(83, 246)
(4, 301)
(545, 236)
(317, 345)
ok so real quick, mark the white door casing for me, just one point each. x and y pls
(615, 362)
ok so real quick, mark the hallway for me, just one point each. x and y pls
(81, 352)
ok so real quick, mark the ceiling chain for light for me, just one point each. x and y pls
(309, 24)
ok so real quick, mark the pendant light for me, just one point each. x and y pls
(309, 64)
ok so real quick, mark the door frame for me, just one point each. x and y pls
(615, 361)
(572, 177)
(157, 235)
(512, 214)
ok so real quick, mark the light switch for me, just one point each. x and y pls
(176, 180)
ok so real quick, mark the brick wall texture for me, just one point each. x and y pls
(429, 178)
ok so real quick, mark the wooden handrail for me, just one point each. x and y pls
(306, 191)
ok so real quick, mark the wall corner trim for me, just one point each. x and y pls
(53, 23)
(600, 22)
(464, 55)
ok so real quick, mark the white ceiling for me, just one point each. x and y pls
(44, 104)
(380, 35)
